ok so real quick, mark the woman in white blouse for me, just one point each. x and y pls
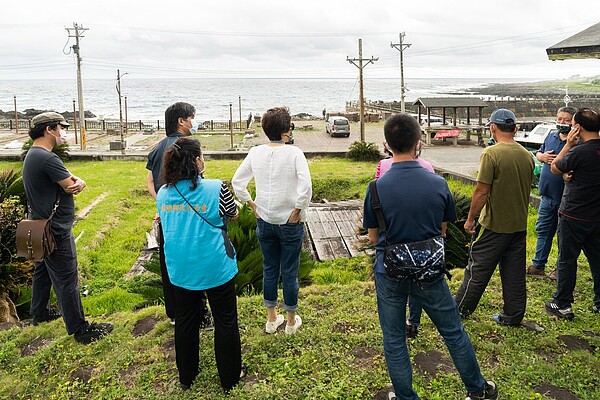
(283, 193)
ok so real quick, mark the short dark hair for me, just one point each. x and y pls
(38, 130)
(176, 111)
(276, 121)
(402, 133)
(567, 109)
(588, 119)
(509, 128)
(179, 162)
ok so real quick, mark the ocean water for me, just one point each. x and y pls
(148, 98)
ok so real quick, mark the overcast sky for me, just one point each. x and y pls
(292, 39)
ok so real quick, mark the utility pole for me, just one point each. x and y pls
(240, 105)
(78, 33)
(231, 125)
(361, 99)
(74, 121)
(120, 110)
(401, 46)
(16, 116)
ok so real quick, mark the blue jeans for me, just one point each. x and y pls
(573, 236)
(545, 227)
(414, 311)
(281, 246)
(436, 300)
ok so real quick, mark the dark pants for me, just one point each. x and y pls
(168, 288)
(59, 270)
(489, 249)
(573, 236)
(228, 353)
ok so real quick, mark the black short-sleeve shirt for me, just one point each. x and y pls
(155, 158)
(581, 197)
(42, 169)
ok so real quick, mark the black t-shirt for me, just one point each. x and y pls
(581, 198)
(155, 157)
(42, 169)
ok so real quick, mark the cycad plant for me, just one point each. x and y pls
(61, 150)
(457, 240)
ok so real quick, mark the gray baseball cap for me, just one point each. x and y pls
(502, 116)
(48, 117)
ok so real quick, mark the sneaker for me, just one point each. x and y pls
(392, 395)
(93, 332)
(271, 327)
(564, 313)
(53, 314)
(534, 271)
(553, 274)
(207, 323)
(290, 330)
(489, 393)
(595, 308)
(412, 331)
(172, 321)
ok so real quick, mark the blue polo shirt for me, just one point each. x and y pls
(415, 202)
(551, 185)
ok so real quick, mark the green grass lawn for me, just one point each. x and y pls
(338, 352)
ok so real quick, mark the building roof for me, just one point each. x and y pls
(585, 44)
(450, 102)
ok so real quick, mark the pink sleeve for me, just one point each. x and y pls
(378, 172)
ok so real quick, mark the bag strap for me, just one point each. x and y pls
(224, 227)
(376, 205)
(55, 206)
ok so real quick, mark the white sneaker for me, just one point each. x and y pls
(172, 321)
(392, 396)
(271, 327)
(290, 330)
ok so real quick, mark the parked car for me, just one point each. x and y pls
(338, 126)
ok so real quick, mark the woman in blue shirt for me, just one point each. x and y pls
(193, 211)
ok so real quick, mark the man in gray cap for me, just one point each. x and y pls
(502, 197)
(50, 186)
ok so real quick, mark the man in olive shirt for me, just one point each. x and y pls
(502, 197)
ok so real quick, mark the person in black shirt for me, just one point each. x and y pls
(579, 212)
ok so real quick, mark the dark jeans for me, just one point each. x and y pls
(545, 228)
(573, 236)
(168, 288)
(281, 246)
(228, 353)
(59, 270)
(488, 249)
(437, 301)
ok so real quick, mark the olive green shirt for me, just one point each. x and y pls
(508, 168)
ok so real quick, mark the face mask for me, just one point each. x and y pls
(62, 138)
(194, 127)
(563, 128)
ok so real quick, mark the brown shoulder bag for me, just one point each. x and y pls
(34, 237)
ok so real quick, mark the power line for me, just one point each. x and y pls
(361, 97)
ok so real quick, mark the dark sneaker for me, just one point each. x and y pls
(534, 271)
(207, 323)
(595, 308)
(553, 274)
(412, 331)
(564, 313)
(489, 393)
(94, 332)
(53, 314)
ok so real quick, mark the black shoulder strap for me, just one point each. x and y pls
(377, 206)
(224, 227)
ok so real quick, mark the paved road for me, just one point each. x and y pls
(463, 158)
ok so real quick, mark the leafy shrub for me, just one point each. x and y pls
(61, 150)
(363, 151)
(336, 189)
(11, 184)
(457, 240)
(11, 212)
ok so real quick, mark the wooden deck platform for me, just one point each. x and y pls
(332, 229)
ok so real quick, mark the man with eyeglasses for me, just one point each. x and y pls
(50, 187)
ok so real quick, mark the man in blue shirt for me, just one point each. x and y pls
(416, 205)
(550, 189)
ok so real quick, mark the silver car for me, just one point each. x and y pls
(338, 126)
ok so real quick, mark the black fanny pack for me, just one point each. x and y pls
(422, 261)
